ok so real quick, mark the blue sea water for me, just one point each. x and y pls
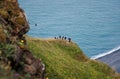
(93, 24)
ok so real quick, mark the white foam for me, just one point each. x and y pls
(104, 54)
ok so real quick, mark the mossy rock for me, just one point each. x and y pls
(4, 13)
(2, 5)
(10, 6)
(2, 38)
(11, 0)
(20, 20)
(15, 13)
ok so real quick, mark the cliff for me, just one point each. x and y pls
(16, 61)
(21, 56)
(65, 60)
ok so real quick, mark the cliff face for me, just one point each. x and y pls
(13, 19)
(15, 57)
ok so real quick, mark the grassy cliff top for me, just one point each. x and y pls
(65, 60)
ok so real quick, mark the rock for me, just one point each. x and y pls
(28, 61)
(13, 26)
(33, 65)
(2, 36)
(30, 69)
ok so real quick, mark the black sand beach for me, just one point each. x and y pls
(113, 60)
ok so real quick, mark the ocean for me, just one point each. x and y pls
(93, 24)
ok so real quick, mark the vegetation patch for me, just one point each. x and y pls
(65, 60)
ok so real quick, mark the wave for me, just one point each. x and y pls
(104, 54)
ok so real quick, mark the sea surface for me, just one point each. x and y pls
(93, 24)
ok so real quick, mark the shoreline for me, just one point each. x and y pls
(104, 54)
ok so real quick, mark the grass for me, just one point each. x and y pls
(65, 60)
